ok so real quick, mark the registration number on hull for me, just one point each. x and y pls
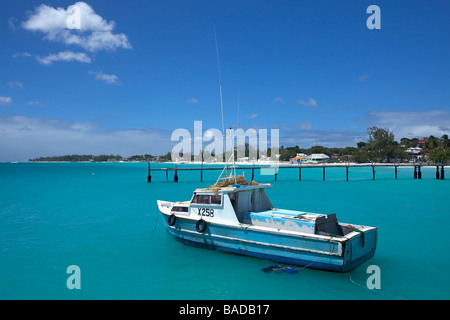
(206, 212)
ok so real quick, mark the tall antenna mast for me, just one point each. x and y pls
(221, 100)
(237, 125)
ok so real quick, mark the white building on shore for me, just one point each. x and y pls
(317, 158)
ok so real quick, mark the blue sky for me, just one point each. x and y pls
(137, 70)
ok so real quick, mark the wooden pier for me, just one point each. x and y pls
(417, 174)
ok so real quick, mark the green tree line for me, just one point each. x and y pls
(94, 158)
(381, 146)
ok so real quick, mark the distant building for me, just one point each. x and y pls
(317, 158)
(299, 158)
(421, 143)
(413, 151)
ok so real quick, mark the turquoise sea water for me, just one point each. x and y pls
(102, 217)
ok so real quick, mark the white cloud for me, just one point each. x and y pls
(326, 138)
(60, 56)
(95, 33)
(22, 55)
(22, 138)
(310, 102)
(12, 23)
(278, 100)
(407, 124)
(64, 56)
(34, 103)
(192, 100)
(251, 116)
(15, 84)
(411, 124)
(363, 77)
(304, 125)
(5, 100)
(107, 78)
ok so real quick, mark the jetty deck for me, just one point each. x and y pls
(417, 173)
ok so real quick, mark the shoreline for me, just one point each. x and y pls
(259, 163)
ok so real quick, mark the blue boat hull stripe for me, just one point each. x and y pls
(261, 243)
(343, 239)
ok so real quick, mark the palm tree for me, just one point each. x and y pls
(432, 142)
(444, 141)
(406, 142)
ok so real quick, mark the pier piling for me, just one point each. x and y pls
(201, 171)
(149, 177)
(442, 172)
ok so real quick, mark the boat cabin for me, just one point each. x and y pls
(229, 204)
(249, 204)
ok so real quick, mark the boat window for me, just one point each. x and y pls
(203, 199)
(207, 199)
(180, 209)
(216, 199)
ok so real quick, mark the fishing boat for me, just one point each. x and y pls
(237, 216)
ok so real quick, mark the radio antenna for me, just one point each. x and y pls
(237, 126)
(221, 102)
(220, 78)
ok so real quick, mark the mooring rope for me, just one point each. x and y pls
(375, 290)
(156, 221)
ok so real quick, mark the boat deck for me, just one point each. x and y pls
(283, 219)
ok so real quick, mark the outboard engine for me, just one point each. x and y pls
(328, 224)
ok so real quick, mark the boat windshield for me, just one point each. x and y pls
(207, 199)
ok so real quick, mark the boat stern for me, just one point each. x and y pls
(359, 247)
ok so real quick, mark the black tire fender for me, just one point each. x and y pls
(200, 226)
(172, 219)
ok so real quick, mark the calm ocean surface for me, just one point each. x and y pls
(102, 217)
